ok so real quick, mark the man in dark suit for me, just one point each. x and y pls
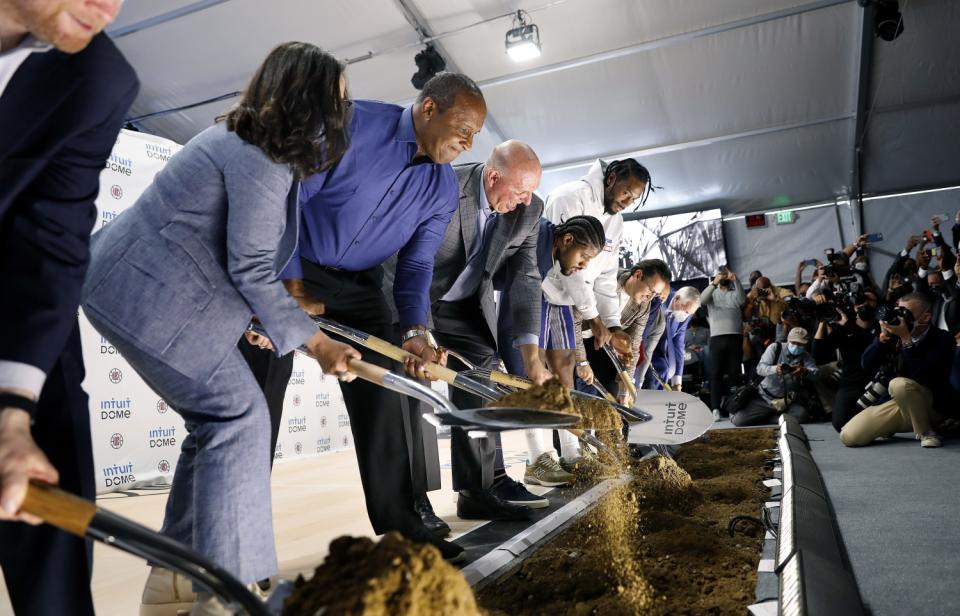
(64, 91)
(495, 227)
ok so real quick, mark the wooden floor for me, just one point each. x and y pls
(314, 501)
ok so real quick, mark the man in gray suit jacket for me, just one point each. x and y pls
(495, 228)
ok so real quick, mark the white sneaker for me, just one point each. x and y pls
(716, 414)
(166, 593)
(930, 440)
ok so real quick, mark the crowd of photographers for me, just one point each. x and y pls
(874, 359)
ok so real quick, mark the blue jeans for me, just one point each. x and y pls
(220, 500)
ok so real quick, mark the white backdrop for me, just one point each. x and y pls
(136, 437)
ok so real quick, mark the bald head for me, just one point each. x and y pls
(510, 176)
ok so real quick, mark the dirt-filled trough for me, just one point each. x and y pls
(657, 545)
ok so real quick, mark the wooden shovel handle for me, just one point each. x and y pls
(396, 353)
(368, 372)
(58, 508)
(509, 380)
(628, 383)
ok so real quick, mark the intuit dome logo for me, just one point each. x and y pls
(322, 399)
(116, 440)
(119, 164)
(323, 445)
(297, 377)
(115, 408)
(106, 348)
(278, 452)
(117, 475)
(343, 421)
(163, 437)
(106, 216)
(115, 375)
(158, 152)
(297, 424)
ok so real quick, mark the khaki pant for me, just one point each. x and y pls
(909, 410)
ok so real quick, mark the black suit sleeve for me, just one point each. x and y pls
(44, 241)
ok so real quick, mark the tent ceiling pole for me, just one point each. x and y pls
(419, 23)
(862, 114)
(163, 18)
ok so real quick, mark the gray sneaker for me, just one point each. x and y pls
(930, 440)
(545, 471)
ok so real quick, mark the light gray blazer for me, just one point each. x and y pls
(513, 246)
(180, 273)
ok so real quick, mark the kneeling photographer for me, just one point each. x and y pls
(787, 371)
(848, 333)
(917, 359)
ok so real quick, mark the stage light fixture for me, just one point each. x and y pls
(887, 19)
(523, 39)
(429, 63)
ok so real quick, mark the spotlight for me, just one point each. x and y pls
(523, 39)
(887, 19)
(429, 63)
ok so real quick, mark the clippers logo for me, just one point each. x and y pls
(118, 475)
(159, 152)
(323, 421)
(162, 406)
(297, 424)
(119, 164)
(116, 440)
(115, 376)
(297, 377)
(164, 467)
(115, 409)
(116, 192)
(296, 400)
(298, 448)
(346, 441)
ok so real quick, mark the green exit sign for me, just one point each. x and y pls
(785, 218)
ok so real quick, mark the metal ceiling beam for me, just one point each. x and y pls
(699, 143)
(419, 23)
(667, 41)
(150, 22)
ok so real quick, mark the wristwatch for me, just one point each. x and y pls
(426, 333)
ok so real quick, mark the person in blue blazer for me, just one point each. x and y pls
(668, 355)
(175, 280)
(64, 92)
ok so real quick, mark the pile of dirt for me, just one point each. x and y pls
(551, 396)
(387, 578)
(657, 544)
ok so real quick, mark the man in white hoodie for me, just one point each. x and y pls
(604, 193)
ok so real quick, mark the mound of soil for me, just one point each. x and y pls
(552, 396)
(387, 578)
(657, 544)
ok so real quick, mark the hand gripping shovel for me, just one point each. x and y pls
(82, 518)
(475, 421)
(677, 417)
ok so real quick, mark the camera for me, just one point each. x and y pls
(763, 292)
(895, 316)
(876, 390)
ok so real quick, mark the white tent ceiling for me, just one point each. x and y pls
(738, 104)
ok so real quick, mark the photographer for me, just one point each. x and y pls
(765, 300)
(798, 313)
(724, 299)
(936, 278)
(899, 279)
(785, 369)
(758, 334)
(848, 335)
(921, 357)
(828, 279)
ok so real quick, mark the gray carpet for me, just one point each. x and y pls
(898, 508)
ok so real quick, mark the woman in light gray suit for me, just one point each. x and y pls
(174, 281)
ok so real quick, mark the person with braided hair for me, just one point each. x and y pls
(564, 251)
(604, 193)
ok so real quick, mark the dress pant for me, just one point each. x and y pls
(272, 374)
(421, 439)
(603, 370)
(845, 405)
(759, 412)
(460, 326)
(48, 571)
(910, 409)
(726, 359)
(376, 414)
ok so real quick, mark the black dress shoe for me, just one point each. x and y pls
(486, 505)
(433, 522)
(420, 534)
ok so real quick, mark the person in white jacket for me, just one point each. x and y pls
(604, 193)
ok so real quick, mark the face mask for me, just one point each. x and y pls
(679, 315)
(937, 289)
(860, 267)
(794, 349)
